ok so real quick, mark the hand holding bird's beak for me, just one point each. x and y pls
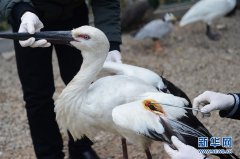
(31, 24)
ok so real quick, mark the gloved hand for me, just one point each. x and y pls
(213, 101)
(183, 152)
(114, 56)
(31, 24)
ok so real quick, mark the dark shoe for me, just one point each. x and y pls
(89, 154)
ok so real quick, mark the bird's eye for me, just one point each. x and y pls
(153, 106)
(86, 37)
(149, 105)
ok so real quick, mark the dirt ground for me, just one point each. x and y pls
(189, 60)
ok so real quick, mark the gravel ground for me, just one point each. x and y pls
(189, 60)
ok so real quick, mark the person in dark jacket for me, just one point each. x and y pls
(229, 106)
(34, 63)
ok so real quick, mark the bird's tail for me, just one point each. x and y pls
(189, 136)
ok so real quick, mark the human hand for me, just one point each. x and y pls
(184, 151)
(114, 56)
(213, 101)
(31, 24)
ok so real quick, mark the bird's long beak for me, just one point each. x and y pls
(54, 37)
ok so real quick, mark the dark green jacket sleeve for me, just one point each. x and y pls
(107, 18)
(234, 112)
(6, 6)
(14, 9)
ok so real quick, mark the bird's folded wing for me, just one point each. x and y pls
(184, 129)
(135, 118)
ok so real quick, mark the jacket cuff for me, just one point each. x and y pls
(114, 46)
(19, 9)
(234, 112)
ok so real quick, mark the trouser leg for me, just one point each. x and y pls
(36, 76)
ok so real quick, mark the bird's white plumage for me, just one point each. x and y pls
(85, 108)
(207, 11)
(134, 71)
(133, 119)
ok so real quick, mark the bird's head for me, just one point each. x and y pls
(169, 17)
(153, 106)
(161, 104)
(161, 86)
(84, 38)
(87, 38)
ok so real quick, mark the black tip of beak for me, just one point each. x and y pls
(54, 37)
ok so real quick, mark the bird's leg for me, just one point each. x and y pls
(211, 35)
(124, 148)
(157, 46)
(148, 154)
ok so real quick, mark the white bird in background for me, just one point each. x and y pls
(207, 11)
(157, 29)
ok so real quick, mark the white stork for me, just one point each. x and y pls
(84, 108)
(207, 11)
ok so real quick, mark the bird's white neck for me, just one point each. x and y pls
(72, 97)
(88, 72)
